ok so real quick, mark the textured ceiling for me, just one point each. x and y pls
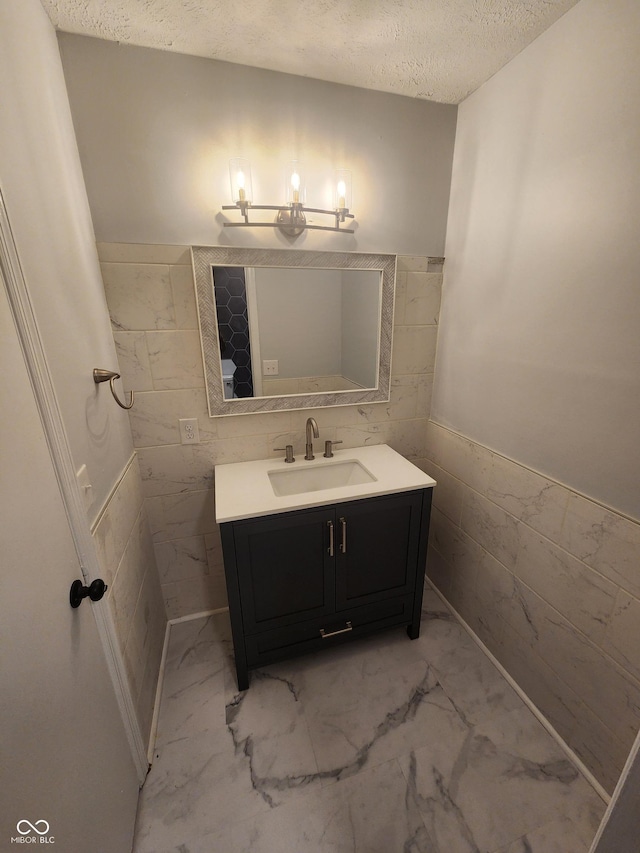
(440, 50)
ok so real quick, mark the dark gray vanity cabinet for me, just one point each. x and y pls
(301, 581)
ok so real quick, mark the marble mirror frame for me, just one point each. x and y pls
(205, 257)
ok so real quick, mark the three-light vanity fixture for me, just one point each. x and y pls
(290, 219)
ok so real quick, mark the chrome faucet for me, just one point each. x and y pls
(312, 427)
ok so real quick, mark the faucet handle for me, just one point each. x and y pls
(289, 457)
(328, 448)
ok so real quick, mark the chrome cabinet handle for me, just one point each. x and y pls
(343, 544)
(330, 548)
(346, 630)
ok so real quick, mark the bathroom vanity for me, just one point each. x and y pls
(318, 552)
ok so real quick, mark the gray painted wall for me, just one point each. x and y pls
(43, 188)
(298, 324)
(156, 131)
(539, 346)
(360, 319)
(537, 372)
(41, 181)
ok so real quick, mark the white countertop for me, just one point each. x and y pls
(243, 489)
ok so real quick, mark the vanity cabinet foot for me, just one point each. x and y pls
(302, 581)
(242, 677)
(413, 631)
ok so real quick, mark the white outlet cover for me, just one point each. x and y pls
(189, 433)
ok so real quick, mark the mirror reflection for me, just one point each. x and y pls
(286, 329)
(291, 331)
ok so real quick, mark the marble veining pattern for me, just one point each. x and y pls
(379, 745)
(206, 257)
(548, 579)
(151, 298)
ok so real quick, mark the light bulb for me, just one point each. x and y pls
(295, 183)
(240, 183)
(240, 178)
(343, 190)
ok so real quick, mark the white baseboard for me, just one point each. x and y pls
(580, 766)
(191, 616)
(163, 661)
(156, 705)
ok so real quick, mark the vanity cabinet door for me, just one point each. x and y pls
(309, 579)
(377, 548)
(285, 569)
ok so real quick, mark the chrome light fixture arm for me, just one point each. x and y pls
(291, 217)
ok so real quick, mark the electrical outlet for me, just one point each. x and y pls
(189, 433)
(270, 367)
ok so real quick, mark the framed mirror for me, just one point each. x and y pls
(284, 329)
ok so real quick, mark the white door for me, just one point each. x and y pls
(67, 775)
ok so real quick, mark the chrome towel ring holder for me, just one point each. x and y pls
(100, 375)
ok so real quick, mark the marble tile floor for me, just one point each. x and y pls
(384, 745)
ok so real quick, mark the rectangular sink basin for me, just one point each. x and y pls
(333, 475)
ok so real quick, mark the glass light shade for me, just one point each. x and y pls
(294, 183)
(343, 197)
(240, 178)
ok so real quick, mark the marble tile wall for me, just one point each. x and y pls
(125, 550)
(150, 294)
(550, 582)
